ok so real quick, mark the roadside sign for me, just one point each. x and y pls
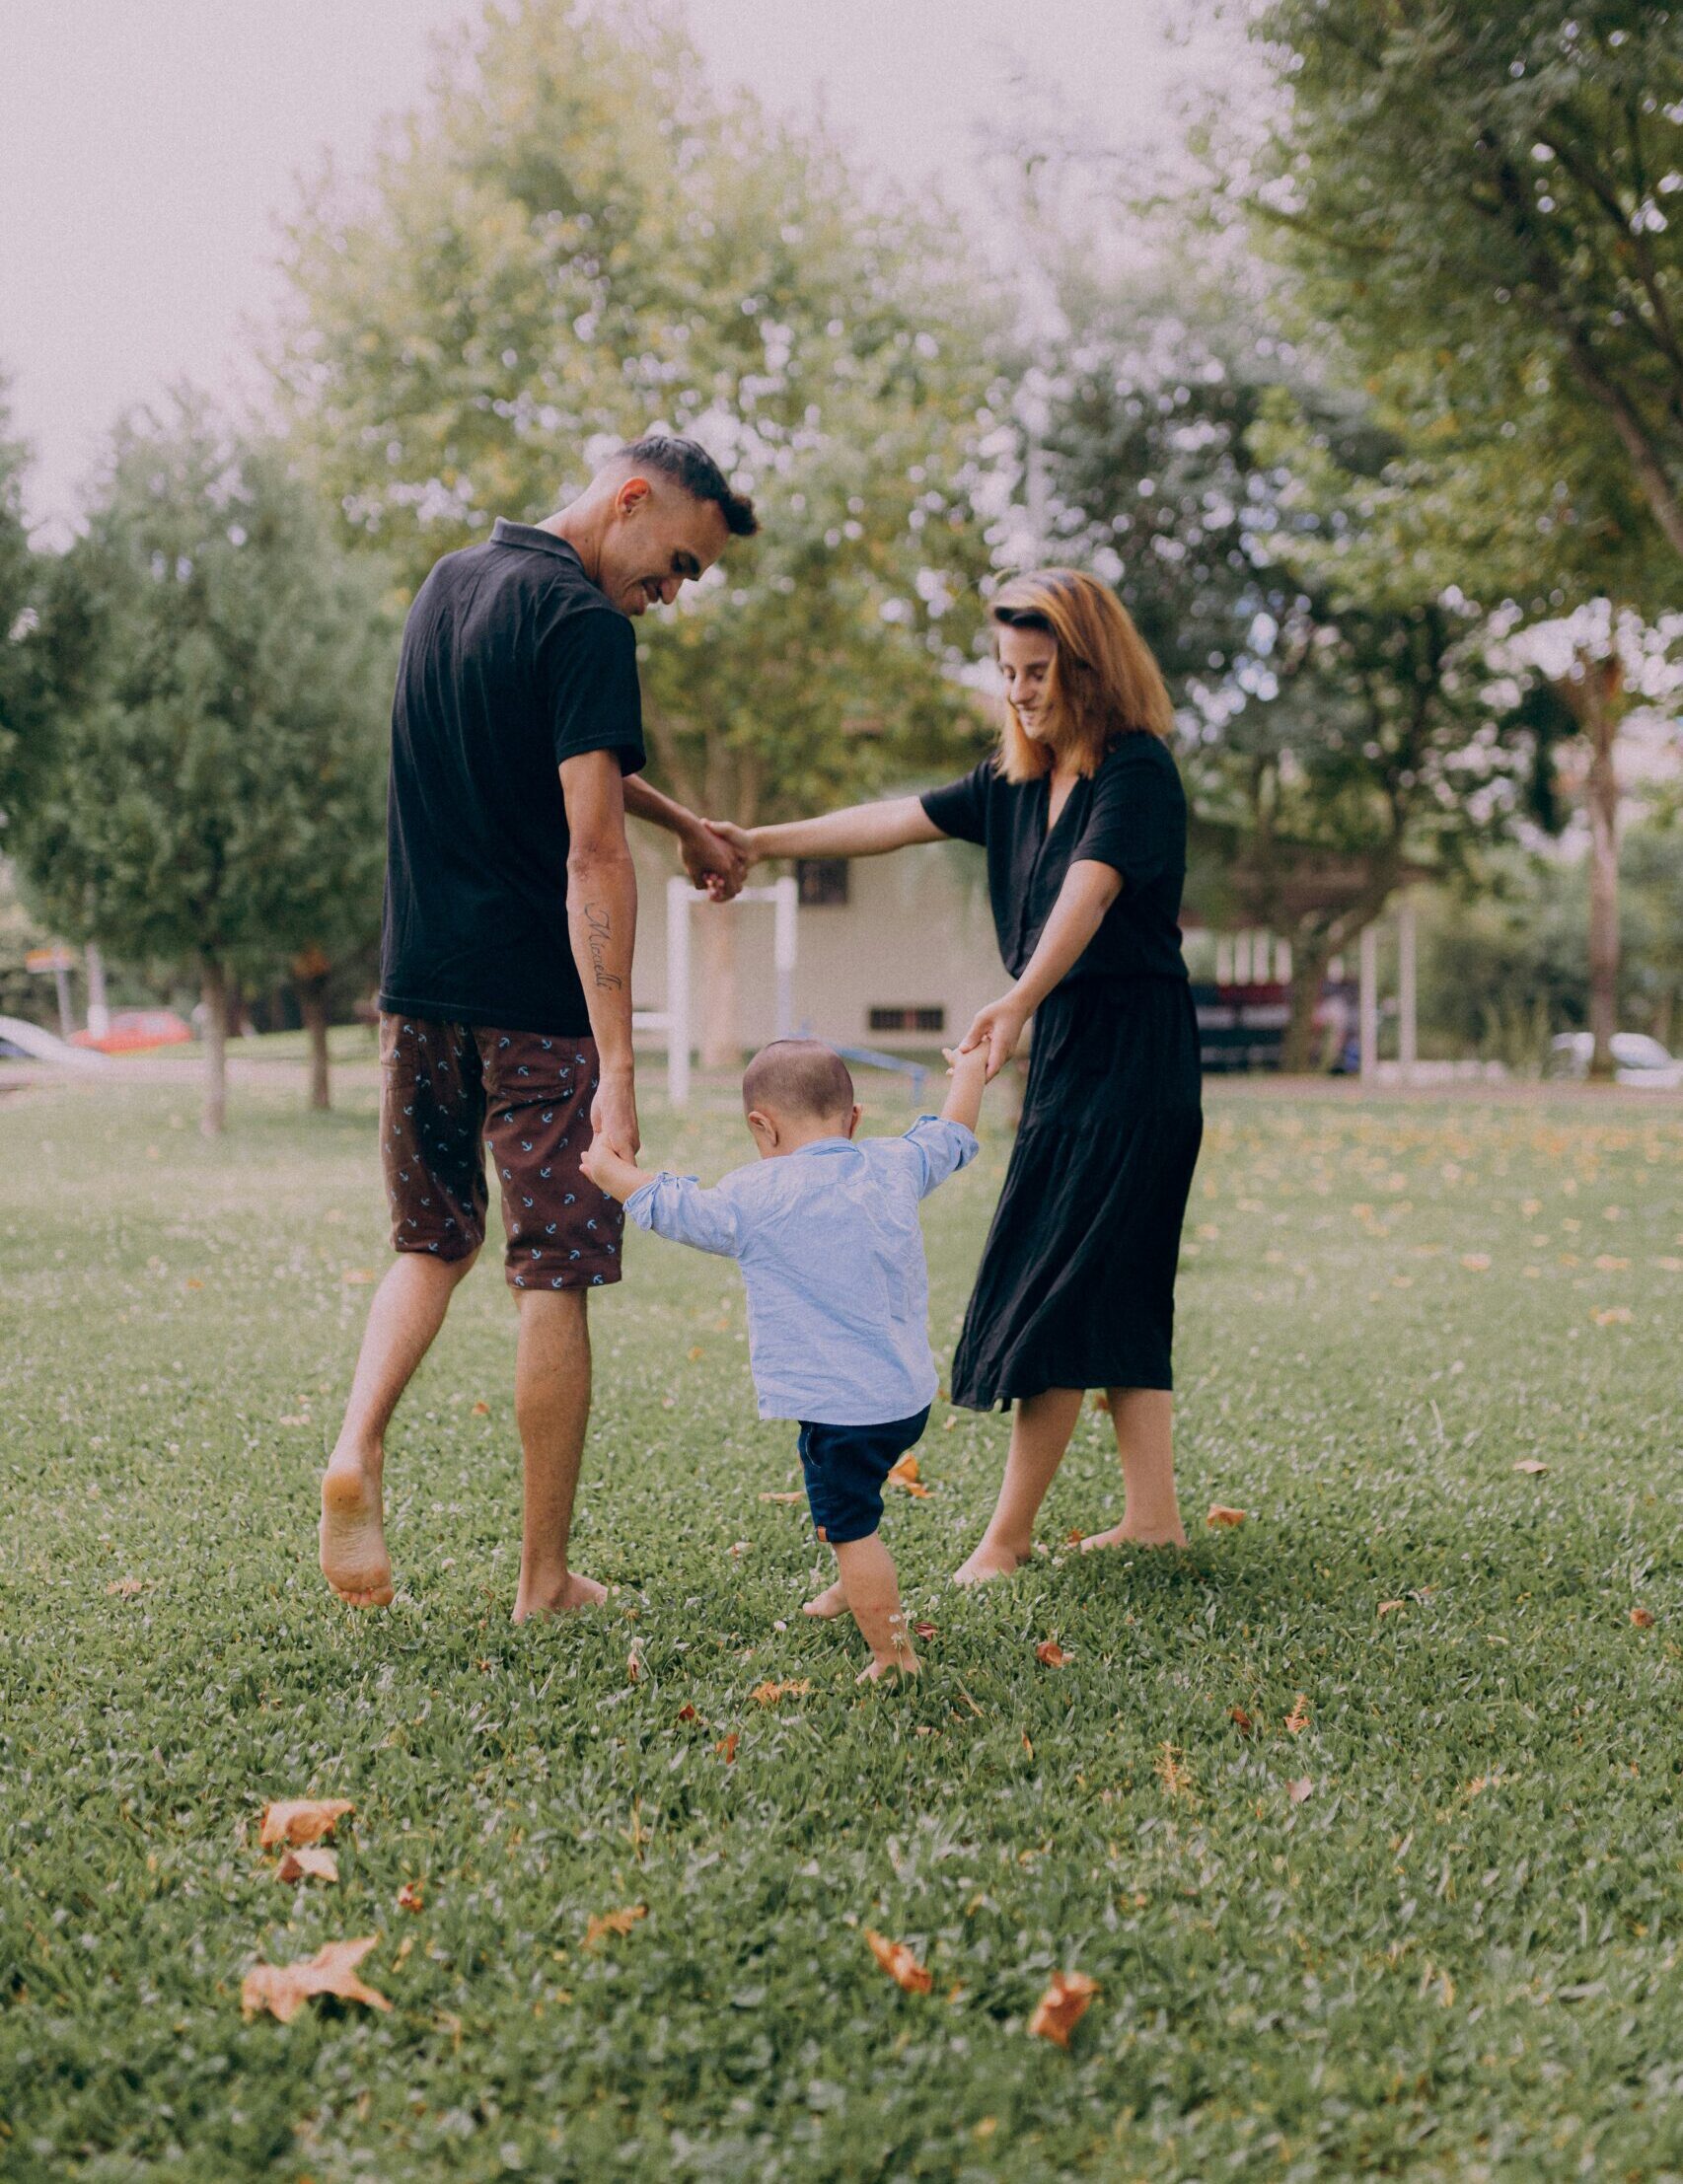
(49, 959)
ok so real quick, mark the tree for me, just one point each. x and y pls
(19, 707)
(576, 240)
(218, 679)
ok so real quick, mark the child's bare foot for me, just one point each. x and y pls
(987, 1562)
(560, 1597)
(1124, 1535)
(832, 1601)
(906, 1665)
(354, 1560)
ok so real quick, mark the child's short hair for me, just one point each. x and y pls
(799, 1076)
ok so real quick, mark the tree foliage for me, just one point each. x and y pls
(20, 711)
(218, 680)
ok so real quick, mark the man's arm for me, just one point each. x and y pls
(710, 861)
(602, 923)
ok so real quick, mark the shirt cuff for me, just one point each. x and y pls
(639, 1206)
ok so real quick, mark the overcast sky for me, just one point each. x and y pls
(146, 147)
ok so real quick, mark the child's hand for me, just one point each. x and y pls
(959, 1063)
(969, 1072)
(611, 1171)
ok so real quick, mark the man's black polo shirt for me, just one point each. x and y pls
(512, 661)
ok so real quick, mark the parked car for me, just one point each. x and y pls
(1637, 1059)
(133, 1030)
(21, 1040)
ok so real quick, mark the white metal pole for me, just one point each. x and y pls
(1370, 1003)
(1408, 1043)
(99, 1014)
(783, 905)
(678, 993)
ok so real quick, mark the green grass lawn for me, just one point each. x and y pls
(1457, 1957)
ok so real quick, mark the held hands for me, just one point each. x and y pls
(610, 1170)
(614, 1115)
(714, 861)
(996, 1032)
(738, 840)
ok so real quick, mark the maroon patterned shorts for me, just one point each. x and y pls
(450, 1093)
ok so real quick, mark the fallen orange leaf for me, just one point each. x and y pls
(923, 1629)
(1063, 2006)
(1530, 1466)
(633, 1666)
(1390, 1607)
(1298, 1720)
(726, 1748)
(482, 1409)
(1241, 1721)
(1642, 1618)
(785, 1497)
(125, 1588)
(897, 1961)
(410, 1895)
(1050, 1652)
(284, 1988)
(302, 1819)
(1220, 1513)
(310, 1859)
(685, 1714)
(768, 1694)
(1299, 1789)
(619, 1922)
(904, 1474)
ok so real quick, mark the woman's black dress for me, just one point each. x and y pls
(1077, 1287)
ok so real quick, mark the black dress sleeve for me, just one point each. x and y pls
(1137, 821)
(587, 685)
(959, 810)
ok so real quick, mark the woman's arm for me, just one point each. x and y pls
(861, 831)
(1088, 890)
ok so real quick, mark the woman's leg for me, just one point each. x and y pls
(1040, 1433)
(1144, 1422)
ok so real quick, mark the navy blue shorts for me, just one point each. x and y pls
(845, 1466)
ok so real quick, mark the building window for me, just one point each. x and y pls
(908, 1019)
(821, 882)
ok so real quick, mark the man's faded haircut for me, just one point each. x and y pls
(689, 464)
(799, 1076)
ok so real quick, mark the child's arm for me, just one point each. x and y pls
(968, 1073)
(613, 1172)
(674, 1206)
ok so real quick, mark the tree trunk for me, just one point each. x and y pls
(213, 993)
(720, 1036)
(1596, 695)
(1300, 1051)
(313, 1008)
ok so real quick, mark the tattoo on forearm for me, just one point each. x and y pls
(601, 928)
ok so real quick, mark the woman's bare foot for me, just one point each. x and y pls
(354, 1560)
(1123, 1535)
(908, 1664)
(986, 1562)
(573, 1591)
(832, 1601)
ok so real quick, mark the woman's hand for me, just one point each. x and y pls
(713, 864)
(739, 840)
(997, 1027)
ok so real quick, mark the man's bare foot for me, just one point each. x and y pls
(354, 1560)
(988, 1563)
(906, 1665)
(830, 1602)
(1122, 1535)
(572, 1592)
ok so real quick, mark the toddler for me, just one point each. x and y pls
(826, 1231)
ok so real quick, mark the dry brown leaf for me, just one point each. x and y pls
(1299, 1789)
(284, 1988)
(687, 1714)
(904, 1474)
(1027, 1746)
(1063, 2006)
(1530, 1466)
(1220, 1513)
(783, 1497)
(1298, 1720)
(310, 1859)
(1051, 1653)
(1171, 1772)
(621, 1922)
(302, 1820)
(1241, 1721)
(897, 1961)
(1642, 1618)
(726, 1748)
(1075, 1537)
(125, 1588)
(1390, 1607)
(768, 1694)
(633, 1666)
(482, 1409)
(923, 1629)
(411, 1895)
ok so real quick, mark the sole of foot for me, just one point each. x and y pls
(574, 1593)
(354, 1560)
(1118, 1535)
(986, 1564)
(832, 1601)
(880, 1671)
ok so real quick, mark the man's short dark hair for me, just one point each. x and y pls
(687, 464)
(799, 1076)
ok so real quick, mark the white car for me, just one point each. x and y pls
(1637, 1059)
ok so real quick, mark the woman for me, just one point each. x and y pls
(1083, 818)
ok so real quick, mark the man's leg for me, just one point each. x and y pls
(407, 1312)
(552, 1406)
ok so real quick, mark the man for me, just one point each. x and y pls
(505, 976)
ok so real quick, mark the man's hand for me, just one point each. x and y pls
(711, 861)
(997, 1029)
(613, 1113)
(610, 1172)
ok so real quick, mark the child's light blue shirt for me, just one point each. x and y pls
(831, 1254)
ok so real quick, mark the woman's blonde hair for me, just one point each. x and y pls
(1103, 681)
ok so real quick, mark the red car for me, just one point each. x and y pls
(132, 1030)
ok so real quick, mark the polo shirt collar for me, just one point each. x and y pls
(504, 533)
